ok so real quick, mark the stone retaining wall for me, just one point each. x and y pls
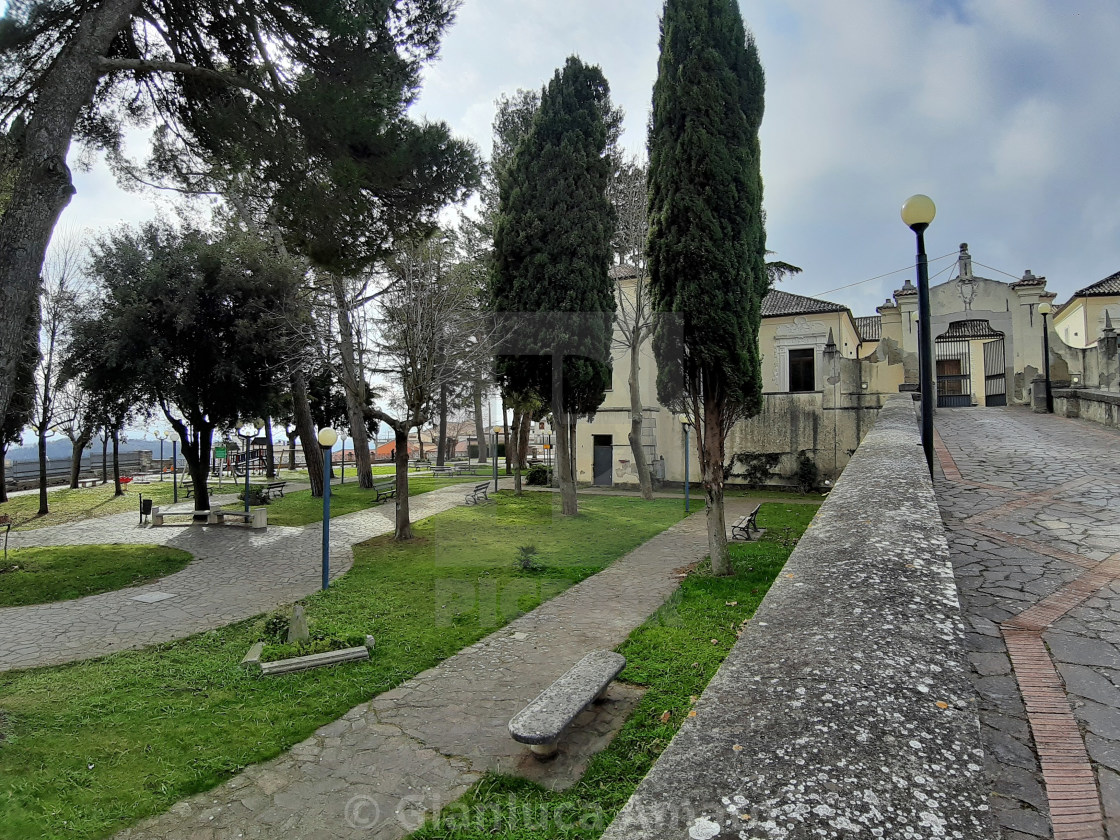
(845, 710)
(1098, 406)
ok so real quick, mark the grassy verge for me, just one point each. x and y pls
(92, 747)
(58, 573)
(675, 654)
(84, 503)
(301, 508)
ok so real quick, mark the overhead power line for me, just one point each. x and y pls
(889, 273)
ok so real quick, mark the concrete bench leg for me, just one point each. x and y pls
(543, 751)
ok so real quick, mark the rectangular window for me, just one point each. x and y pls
(802, 373)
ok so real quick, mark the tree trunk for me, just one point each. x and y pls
(105, 457)
(480, 429)
(305, 428)
(196, 452)
(523, 440)
(572, 448)
(43, 187)
(270, 450)
(292, 450)
(77, 447)
(513, 450)
(645, 480)
(402, 529)
(505, 437)
(3, 474)
(117, 490)
(441, 445)
(43, 509)
(711, 450)
(420, 444)
(353, 383)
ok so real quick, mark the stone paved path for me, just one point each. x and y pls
(1032, 507)
(375, 772)
(237, 573)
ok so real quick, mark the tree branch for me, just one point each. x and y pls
(139, 65)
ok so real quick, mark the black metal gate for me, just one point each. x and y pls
(995, 373)
(954, 375)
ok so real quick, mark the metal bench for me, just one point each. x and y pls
(385, 489)
(277, 486)
(255, 518)
(479, 495)
(159, 515)
(741, 528)
(542, 722)
(443, 471)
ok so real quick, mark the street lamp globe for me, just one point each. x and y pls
(173, 437)
(1044, 309)
(918, 211)
(327, 437)
(683, 418)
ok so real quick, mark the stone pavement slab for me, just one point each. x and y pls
(382, 767)
(1031, 505)
(237, 573)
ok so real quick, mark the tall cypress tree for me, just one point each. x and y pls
(707, 240)
(552, 243)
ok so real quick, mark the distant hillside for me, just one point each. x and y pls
(61, 449)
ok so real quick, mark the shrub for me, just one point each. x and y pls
(539, 476)
(757, 466)
(807, 473)
(256, 495)
(527, 558)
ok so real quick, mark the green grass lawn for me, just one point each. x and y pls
(92, 747)
(301, 508)
(674, 655)
(42, 575)
(84, 503)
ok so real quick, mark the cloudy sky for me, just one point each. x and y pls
(1004, 111)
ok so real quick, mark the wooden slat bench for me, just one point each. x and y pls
(385, 489)
(275, 486)
(479, 495)
(159, 515)
(741, 528)
(255, 518)
(542, 722)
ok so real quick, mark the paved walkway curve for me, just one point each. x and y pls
(237, 573)
(376, 772)
(1031, 504)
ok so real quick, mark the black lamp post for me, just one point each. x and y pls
(174, 438)
(917, 213)
(161, 437)
(248, 433)
(327, 437)
(1044, 310)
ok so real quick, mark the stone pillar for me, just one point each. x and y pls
(1038, 395)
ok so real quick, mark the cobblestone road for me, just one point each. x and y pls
(1032, 507)
(237, 573)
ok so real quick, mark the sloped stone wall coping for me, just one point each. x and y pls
(845, 709)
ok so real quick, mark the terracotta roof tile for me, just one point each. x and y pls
(777, 303)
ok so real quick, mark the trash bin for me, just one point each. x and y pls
(145, 508)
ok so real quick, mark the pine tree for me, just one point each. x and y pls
(552, 245)
(707, 234)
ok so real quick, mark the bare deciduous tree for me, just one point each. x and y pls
(634, 316)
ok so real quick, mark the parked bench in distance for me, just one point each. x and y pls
(384, 489)
(741, 528)
(542, 722)
(275, 487)
(479, 495)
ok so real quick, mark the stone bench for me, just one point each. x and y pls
(159, 515)
(741, 528)
(542, 722)
(88, 482)
(255, 518)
